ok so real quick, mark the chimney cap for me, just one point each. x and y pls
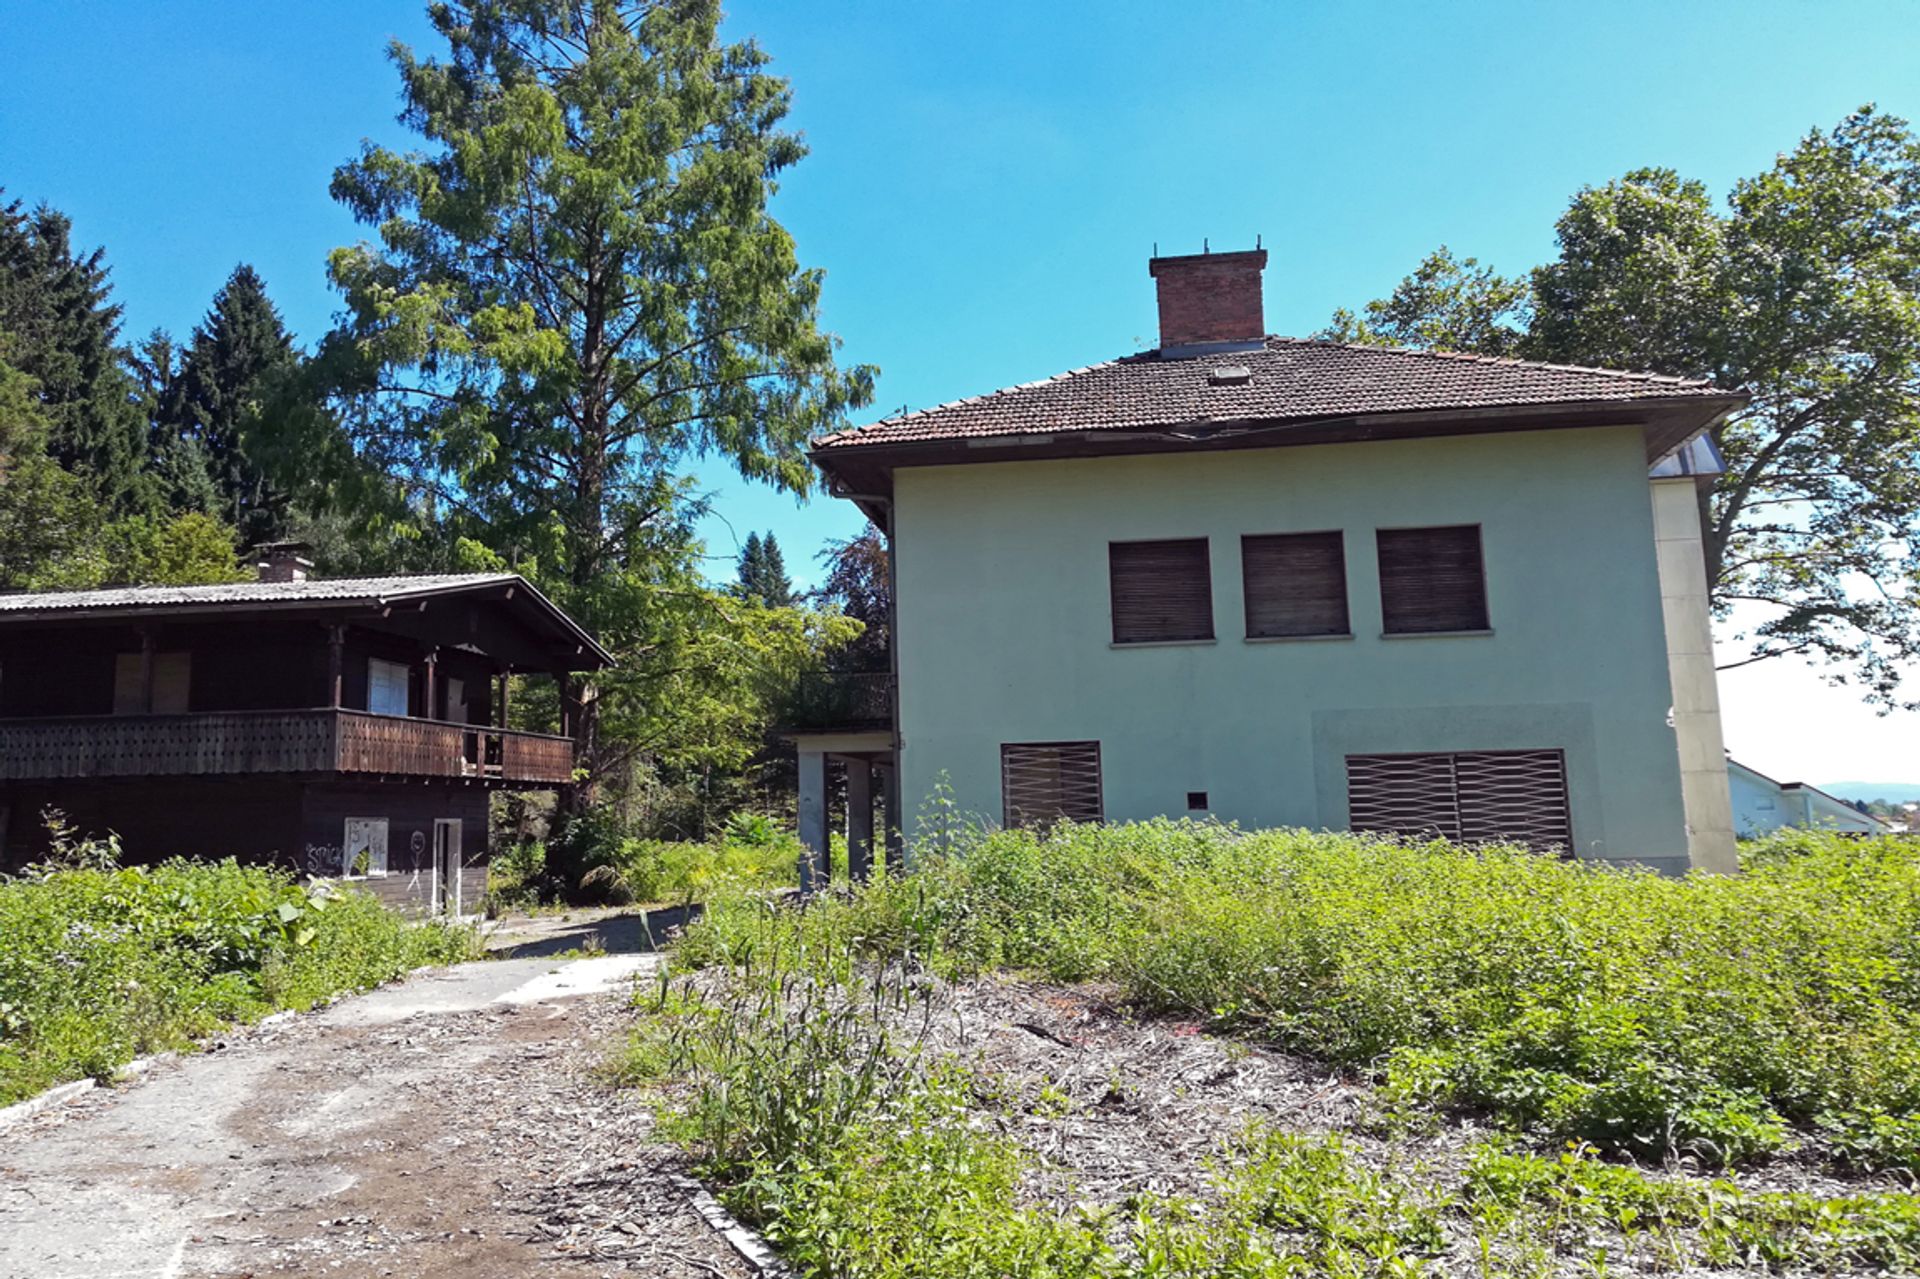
(1254, 258)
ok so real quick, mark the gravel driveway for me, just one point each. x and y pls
(447, 1125)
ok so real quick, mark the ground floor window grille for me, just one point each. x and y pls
(1471, 797)
(1043, 782)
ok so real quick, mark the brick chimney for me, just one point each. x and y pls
(283, 562)
(1210, 301)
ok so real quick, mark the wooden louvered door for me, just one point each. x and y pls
(1432, 580)
(1162, 591)
(1044, 782)
(1470, 797)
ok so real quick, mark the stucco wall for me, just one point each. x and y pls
(1005, 629)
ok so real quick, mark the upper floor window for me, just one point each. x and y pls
(172, 675)
(1162, 591)
(1295, 584)
(1431, 580)
(387, 687)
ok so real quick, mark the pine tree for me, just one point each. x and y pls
(206, 408)
(63, 329)
(776, 588)
(750, 562)
(763, 573)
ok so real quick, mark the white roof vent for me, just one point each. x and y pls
(1230, 375)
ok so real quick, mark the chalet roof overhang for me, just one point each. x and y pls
(563, 642)
(863, 472)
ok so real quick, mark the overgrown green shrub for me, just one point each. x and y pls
(1713, 1016)
(801, 1089)
(98, 966)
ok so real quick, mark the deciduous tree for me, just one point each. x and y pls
(1803, 290)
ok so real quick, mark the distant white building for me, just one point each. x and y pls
(1761, 805)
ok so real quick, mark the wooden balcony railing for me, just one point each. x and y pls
(298, 741)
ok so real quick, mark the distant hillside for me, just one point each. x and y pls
(1892, 792)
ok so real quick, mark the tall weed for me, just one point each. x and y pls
(1718, 1017)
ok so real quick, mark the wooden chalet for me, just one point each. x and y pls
(344, 727)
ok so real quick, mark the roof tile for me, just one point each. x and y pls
(1292, 378)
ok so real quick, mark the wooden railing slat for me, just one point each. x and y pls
(300, 741)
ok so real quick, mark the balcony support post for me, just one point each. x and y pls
(859, 818)
(146, 670)
(893, 856)
(432, 710)
(814, 864)
(506, 695)
(336, 664)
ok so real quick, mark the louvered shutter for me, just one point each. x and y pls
(1043, 782)
(1514, 797)
(1473, 797)
(1403, 795)
(1161, 590)
(1294, 584)
(1431, 579)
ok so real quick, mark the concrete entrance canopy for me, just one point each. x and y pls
(864, 754)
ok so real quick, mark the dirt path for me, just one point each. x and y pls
(449, 1125)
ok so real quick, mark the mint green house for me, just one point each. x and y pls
(1297, 583)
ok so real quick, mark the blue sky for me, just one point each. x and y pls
(988, 179)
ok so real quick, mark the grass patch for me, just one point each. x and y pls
(1719, 1018)
(99, 966)
(1597, 1016)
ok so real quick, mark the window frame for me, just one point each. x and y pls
(1206, 577)
(1561, 802)
(406, 686)
(375, 870)
(1247, 593)
(1099, 806)
(1485, 615)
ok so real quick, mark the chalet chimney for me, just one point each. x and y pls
(283, 562)
(1210, 302)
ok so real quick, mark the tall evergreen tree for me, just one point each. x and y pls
(56, 306)
(763, 572)
(578, 289)
(208, 406)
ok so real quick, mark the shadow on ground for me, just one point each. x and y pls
(628, 932)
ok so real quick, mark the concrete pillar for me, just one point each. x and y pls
(813, 820)
(1696, 689)
(891, 830)
(859, 819)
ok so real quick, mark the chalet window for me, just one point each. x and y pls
(1432, 580)
(364, 847)
(1294, 584)
(387, 687)
(172, 680)
(1162, 591)
(1471, 797)
(1044, 782)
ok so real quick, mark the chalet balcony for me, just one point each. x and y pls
(837, 702)
(306, 742)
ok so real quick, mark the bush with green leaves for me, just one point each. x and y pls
(1717, 1017)
(100, 965)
